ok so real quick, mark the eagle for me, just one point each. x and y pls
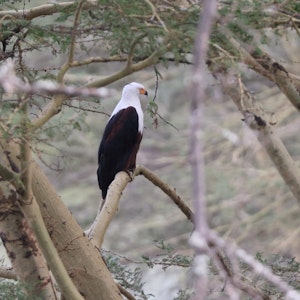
(122, 136)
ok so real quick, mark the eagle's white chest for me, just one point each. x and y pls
(134, 101)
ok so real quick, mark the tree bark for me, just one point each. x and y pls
(259, 122)
(22, 247)
(82, 260)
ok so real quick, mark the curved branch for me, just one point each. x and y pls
(157, 15)
(68, 63)
(260, 122)
(131, 50)
(149, 61)
(106, 212)
(56, 103)
(98, 59)
(35, 219)
(263, 64)
(125, 293)
(141, 170)
(257, 267)
(89, 273)
(8, 273)
(110, 207)
(12, 177)
(42, 10)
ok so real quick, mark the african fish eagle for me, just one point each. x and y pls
(122, 136)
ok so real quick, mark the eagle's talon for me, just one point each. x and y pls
(130, 173)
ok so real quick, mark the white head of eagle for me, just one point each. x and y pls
(122, 136)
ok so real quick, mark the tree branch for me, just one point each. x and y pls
(197, 92)
(260, 122)
(89, 272)
(13, 84)
(132, 47)
(109, 208)
(12, 177)
(20, 242)
(34, 217)
(127, 70)
(156, 15)
(107, 211)
(141, 170)
(8, 273)
(258, 268)
(56, 103)
(66, 66)
(99, 59)
(43, 10)
(262, 63)
(125, 293)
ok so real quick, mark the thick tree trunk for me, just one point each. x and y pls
(22, 248)
(81, 259)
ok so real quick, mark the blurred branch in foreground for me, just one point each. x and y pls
(197, 92)
(11, 83)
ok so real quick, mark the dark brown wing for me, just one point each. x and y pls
(118, 148)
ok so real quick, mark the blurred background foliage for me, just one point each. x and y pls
(248, 201)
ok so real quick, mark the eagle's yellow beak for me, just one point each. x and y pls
(143, 92)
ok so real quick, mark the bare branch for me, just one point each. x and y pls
(56, 103)
(261, 123)
(12, 177)
(8, 273)
(21, 244)
(13, 84)
(258, 268)
(108, 210)
(98, 59)
(197, 90)
(149, 61)
(132, 48)
(90, 275)
(156, 15)
(263, 64)
(43, 10)
(141, 170)
(66, 66)
(33, 214)
(125, 293)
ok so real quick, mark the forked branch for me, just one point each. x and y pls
(265, 132)
(106, 212)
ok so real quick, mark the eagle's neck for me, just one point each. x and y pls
(127, 100)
